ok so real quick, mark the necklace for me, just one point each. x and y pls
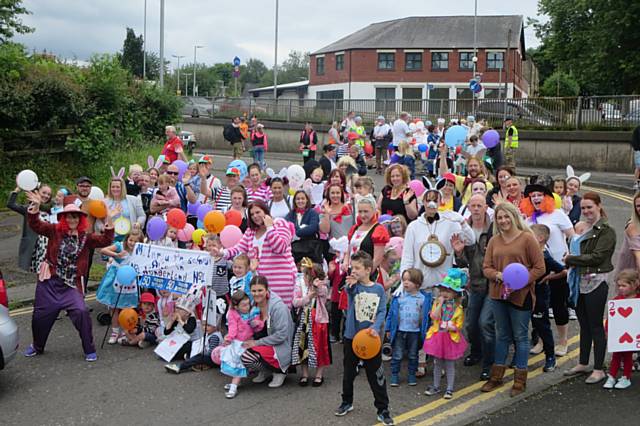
(395, 193)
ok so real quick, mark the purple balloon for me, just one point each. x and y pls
(394, 159)
(192, 209)
(515, 276)
(490, 138)
(203, 210)
(182, 167)
(385, 218)
(156, 228)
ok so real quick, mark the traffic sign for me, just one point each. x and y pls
(430, 86)
(236, 61)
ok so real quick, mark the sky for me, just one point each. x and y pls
(76, 29)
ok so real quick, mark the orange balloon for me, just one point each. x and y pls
(365, 345)
(233, 217)
(128, 319)
(97, 209)
(176, 218)
(214, 221)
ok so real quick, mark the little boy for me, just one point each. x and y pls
(242, 276)
(541, 333)
(132, 179)
(145, 335)
(220, 281)
(367, 310)
(201, 360)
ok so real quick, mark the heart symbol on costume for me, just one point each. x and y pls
(625, 338)
(173, 342)
(625, 312)
(612, 312)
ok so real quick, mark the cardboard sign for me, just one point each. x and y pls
(623, 333)
(170, 346)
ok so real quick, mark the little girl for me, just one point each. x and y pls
(444, 341)
(170, 238)
(58, 204)
(627, 283)
(165, 197)
(314, 186)
(110, 292)
(242, 275)
(311, 339)
(183, 318)
(560, 188)
(166, 305)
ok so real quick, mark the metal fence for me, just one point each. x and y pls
(593, 112)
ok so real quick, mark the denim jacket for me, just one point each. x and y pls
(393, 317)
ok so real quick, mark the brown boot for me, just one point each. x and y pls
(495, 378)
(519, 382)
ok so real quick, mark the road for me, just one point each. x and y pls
(130, 385)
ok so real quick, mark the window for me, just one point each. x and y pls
(339, 62)
(466, 60)
(320, 65)
(495, 60)
(325, 99)
(412, 93)
(413, 61)
(385, 99)
(439, 61)
(464, 100)
(386, 61)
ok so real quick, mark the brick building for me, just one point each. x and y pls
(423, 58)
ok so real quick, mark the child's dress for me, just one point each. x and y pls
(241, 283)
(442, 343)
(311, 338)
(240, 330)
(111, 291)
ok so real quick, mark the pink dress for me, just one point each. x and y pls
(439, 343)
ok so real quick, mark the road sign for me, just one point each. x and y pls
(430, 86)
(236, 71)
(236, 61)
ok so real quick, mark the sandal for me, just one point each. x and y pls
(578, 369)
(303, 382)
(317, 382)
(421, 372)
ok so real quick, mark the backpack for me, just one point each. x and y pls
(228, 133)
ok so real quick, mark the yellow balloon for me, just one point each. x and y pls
(558, 200)
(197, 236)
(292, 192)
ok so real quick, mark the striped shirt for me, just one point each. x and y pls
(263, 193)
(220, 280)
(221, 198)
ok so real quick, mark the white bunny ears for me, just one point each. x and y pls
(153, 164)
(582, 178)
(281, 174)
(120, 174)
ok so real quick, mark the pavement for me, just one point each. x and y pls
(130, 384)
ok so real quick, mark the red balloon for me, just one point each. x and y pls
(233, 217)
(176, 218)
(368, 148)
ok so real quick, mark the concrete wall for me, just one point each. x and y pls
(595, 151)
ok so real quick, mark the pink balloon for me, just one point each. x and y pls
(417, 187)
(230, 236)
(184, 234)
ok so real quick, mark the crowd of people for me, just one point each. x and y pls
(419, 263)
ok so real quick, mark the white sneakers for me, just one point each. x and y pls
(261, 377)
(622, 382)
(537, 349)
(115, 334)
(561, 350)
(277, 380)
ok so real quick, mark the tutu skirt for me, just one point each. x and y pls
(108, 295)
(440, 345)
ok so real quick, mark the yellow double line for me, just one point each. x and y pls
(613, 194)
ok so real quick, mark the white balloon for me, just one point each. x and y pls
(412, 126)
(27, 180)
(96, 193)
(420, 125)
(296, 175)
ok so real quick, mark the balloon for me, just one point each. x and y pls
(296, 176)
(192, 209)
(455, 135)
(27, 180)
(368, 148)
(233, 217)
(96, 194)
(230, 236)
(176, 218)
(214, 221)
(182, 167)
(558, 200)
(186, 233)
(292, 192)
(156, 228)
(97, 209)
(490, 138)
(365, 345)
(394, 159)
(126, 274)
(197, 236)
(241, 166)
(420, 125)
(417, 187)
(412, 127)
(515, 276)
(200, 225)
(203, 210)
(385, 218)
(397, 243)
(128, 319)
(423, 147)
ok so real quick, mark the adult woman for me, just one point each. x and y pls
(597, 241)
(449, 201)
(270, 350)
(269, 242)
(356, 152)
(512, 242)
(61, 277)
(239, 204)
(32, 247)
(573, 186)
(124, 207)
(334, 135)
(629, 257)
(337, 177)
(367, 234)
(305, 219)
(280, 204)
(513, 192)
(335, 213)
(396, 197)
(499, 191)
(257, 189)
(308, 143)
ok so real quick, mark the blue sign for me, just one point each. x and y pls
(236, 61)
(430, 86)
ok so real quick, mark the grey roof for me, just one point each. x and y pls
(434, 32)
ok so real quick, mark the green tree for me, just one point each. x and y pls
(133, 53)
(294, 68)
(10, 23)
(253, 71)
(560, 84)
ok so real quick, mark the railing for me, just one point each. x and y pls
(593, 112)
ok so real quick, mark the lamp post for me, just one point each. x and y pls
(186, 84)
(178, 57)
(161, 43)
(275, 60)
(144, 44)
(475, 52)
(195, 49)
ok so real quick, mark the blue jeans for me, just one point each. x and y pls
(480, 326)
(258, 156)
(512, 325)
(406, 342)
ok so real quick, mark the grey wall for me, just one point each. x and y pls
(586, 150)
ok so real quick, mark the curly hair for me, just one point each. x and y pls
(548, 205)
(63, 225)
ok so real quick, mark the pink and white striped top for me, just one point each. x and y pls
(263, 193)
(275, 261)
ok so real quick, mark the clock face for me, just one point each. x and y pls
(432, 253)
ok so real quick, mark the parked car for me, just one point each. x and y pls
(188, 140)
(8, 329)
(197, 107)
(493, 110)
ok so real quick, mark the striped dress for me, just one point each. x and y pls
(263, 193)
(275, 261)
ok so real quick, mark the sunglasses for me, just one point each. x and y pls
(173, 173)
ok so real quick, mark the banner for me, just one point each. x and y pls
(623, 325)
(172, 269)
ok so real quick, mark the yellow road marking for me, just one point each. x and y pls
(612, 194)
(485, 396)
(462, 392)
(25, 311)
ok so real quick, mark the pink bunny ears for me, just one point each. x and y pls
(154, 164)
(120, 174)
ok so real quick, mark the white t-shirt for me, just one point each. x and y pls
(474, 150)
(558, 222)
(280, 208)
(400, 130)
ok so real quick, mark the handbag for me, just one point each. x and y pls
(311, 248)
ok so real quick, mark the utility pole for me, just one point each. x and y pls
(144, 44)
(186, 84)
(161, 43)
(275, 61)
(475, 52)
(195, 48)
(178, 57)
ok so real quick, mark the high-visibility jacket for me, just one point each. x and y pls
(359, 130)
(514, 136)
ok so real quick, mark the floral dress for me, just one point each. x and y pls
(40, 250)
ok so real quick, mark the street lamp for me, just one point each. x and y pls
(144, 44)
(475, 52)
(178, 57)
(186, 84)
(275, 61)
(161, 43)
(195, 49)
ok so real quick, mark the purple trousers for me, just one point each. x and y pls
(53, 296)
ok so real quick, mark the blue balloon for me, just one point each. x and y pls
(192, 208)
(240, 165)
(394, 159)
(203, 210)
(126, 274)
(200, 224)
(455, 136)
(423, 147)
(385, 218)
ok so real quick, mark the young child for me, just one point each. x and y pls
(367, 310)
(132, 179)
(314, 186)
(166, 305)
(241, 275)
(183, 317)
(388, 273)
(560, 188)
(243, 321)
(627, 283)
(110, 292)
(407, 324)
(58, 204)
(542, 336)
(220, 281)
(311, 339)
(201, 360)
(165, 197)
(145, 335)
(170, 238)
(444, 341)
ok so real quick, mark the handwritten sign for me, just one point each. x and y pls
(172, 269)
(623, 334)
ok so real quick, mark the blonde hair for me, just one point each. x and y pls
(405, 149)
(135, 168)
(628, 275)
(123, 189)
(404, 171)
(514, 213)
(348, 161)
(170, 129)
